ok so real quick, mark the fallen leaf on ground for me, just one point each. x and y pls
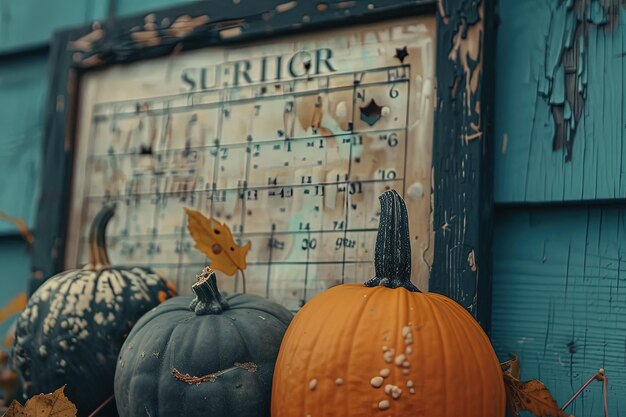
(532, 396)
(55, 404)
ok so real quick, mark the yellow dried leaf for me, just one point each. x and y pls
(55, 404)
(532, 396)
(15, 305)
(215, 240)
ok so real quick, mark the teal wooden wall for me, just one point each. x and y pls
(28, 23)
(15, 261)
(25, 29)
(559, 298)
(23, 84)
(22, 92)
(547, 51)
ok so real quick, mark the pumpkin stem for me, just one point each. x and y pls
(98, 255)
(208, 298)
(393, 245)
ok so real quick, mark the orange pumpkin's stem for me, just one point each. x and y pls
(98, 255)
(208, 298)
(393, 245)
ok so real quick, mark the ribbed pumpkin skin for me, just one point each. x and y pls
(73, 327)
(341, 334)
(173, 336)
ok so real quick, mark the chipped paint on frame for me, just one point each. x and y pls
(462, 152)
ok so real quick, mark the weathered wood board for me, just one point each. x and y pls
(288, 141)
(558, 299)
(559, 124)
(22, 92)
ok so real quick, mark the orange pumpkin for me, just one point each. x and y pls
(385, 348)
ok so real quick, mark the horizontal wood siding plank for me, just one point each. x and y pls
(129, 7)
(559, 297)
(28, 23)
(559, 101)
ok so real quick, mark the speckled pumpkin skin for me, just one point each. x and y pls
(345, 336)
(74, 326)
(172, 336)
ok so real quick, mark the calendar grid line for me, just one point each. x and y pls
(258, 142)
(222, 88)
(84, 206)
(306, 269)
(122, 197)
(252, 263)
(205, 106)
(216, 160)
(157, 207)
(269, 262)
(355, 84)
(247, 234)
(406, 135)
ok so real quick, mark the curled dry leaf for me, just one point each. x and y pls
(55, 404)
(215, 240)
(532, 396)
(511, 367)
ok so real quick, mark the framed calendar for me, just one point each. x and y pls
(288, 141)
(285, 121)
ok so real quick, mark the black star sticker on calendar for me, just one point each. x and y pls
(401, 54)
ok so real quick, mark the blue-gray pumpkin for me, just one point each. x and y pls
(73, 327)
(211, 355)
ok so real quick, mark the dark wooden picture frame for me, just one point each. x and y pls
(462, 142)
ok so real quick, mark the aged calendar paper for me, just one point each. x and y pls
(289, 141)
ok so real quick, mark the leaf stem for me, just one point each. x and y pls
(243, 281)
(605, 389)
(101, 406)
(598, 376)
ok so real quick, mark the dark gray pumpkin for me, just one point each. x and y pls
(73, 326)
(208, 355)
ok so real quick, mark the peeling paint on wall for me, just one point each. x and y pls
(567, 61)
(561, 101)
